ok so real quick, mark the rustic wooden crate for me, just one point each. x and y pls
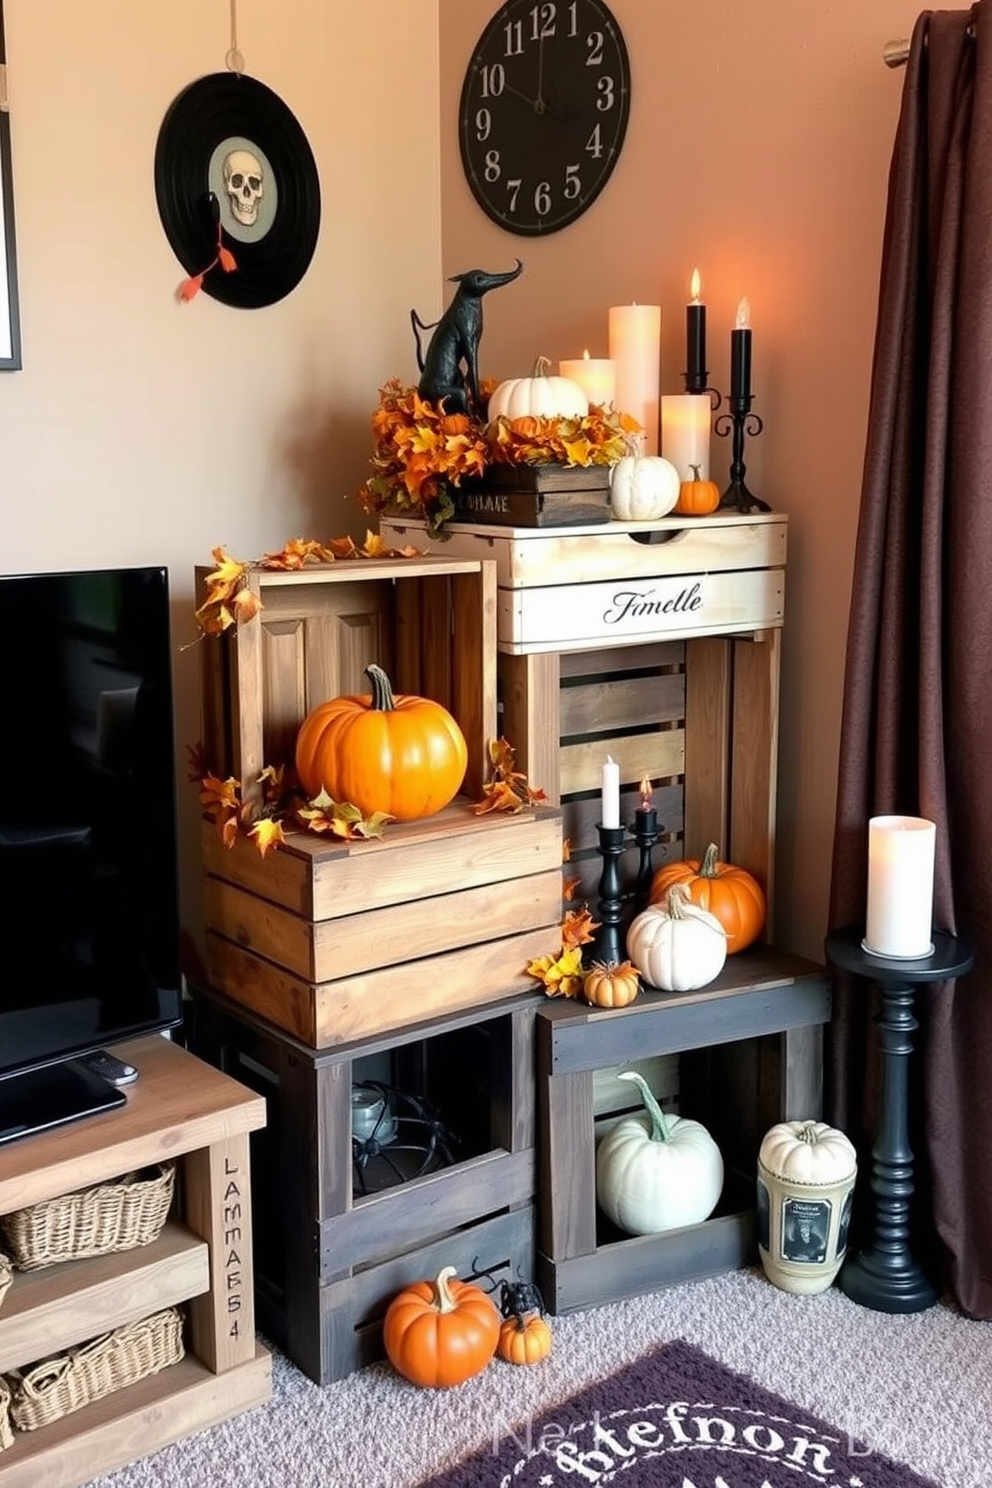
(766, 1011)
(535, 496)
(618, 583)
(328, 1260)
(429, 621)
(335, 941)
(694, 711)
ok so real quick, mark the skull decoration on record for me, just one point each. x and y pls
(245, 184)
(237, 190)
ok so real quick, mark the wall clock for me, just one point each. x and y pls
(543, 112)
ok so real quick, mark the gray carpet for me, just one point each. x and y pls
(917, 1388)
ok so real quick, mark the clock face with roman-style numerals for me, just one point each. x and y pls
(543, 112)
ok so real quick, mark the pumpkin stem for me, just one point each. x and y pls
(678, 896)
(808, 1134)
(709, 863)
(382, 689)
(695, 472)
(443, 1300)
(541, 365)
(660, 1130)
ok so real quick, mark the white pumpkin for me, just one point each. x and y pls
(643, 488)
(675, 945)
(539, 396)
(657, 1173)
(808, 1152)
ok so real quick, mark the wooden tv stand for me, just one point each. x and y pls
(179, 1108)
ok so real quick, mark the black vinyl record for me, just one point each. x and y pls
(230, 153)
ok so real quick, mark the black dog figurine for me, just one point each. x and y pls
(449, 370)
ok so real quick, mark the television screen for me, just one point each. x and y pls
(89, 917)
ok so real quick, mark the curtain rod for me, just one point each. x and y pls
(896, 53)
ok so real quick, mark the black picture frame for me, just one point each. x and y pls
(10, 325)
(214, 115)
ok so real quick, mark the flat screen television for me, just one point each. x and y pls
(89, 907)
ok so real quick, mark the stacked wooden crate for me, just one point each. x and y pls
(657, 643)
(331, 962)
(334, 940)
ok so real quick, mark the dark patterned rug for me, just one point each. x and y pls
(678, 1419)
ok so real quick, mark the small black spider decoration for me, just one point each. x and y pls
(518, 1298)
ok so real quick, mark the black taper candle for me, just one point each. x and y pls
(740, 364)
(696, 376)
(740, 353)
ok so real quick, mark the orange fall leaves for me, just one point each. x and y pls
(230, 600)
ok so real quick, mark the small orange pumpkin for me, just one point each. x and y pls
(697, 497)
(404, 755)
(525, 1339)
(456, 423)
(612, 985)
(440, 1333)
(729, 893)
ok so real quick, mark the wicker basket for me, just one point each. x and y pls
(92, 1221)
(58, 1386)
(6, 1275)
(6, 1435)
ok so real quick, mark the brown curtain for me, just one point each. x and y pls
(917, 714)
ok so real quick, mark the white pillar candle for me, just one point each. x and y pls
(685, 433)
(635, 347)
(610, 808)
(900, 886)
(596, 376)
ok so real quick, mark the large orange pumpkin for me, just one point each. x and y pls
(731, 894)
(442, 1332)
(401, 754)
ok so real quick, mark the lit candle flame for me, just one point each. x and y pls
(645, 788)
(695, 286)
(585, 355)
(743, 313)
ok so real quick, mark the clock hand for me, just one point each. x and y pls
(537, 104)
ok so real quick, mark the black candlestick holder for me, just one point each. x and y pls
(607, 947)
(699, 382)
(645, 835)
(738, 421)
(885, 1274)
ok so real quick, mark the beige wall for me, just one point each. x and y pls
(141, 430)
(758, 149)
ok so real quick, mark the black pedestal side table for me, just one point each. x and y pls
(884, 1274)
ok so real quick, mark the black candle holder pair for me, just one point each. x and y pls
(609, 948)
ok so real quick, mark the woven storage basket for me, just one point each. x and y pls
(92, 1221)
(6, 1276)
(6, 1435)
(56, 1387)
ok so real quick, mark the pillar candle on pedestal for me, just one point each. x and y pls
(900, 886)
(685, 433)
(596, 376)
(635, 348)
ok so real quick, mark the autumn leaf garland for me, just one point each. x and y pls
(229, 598)
(282, 801)
(421, 453)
